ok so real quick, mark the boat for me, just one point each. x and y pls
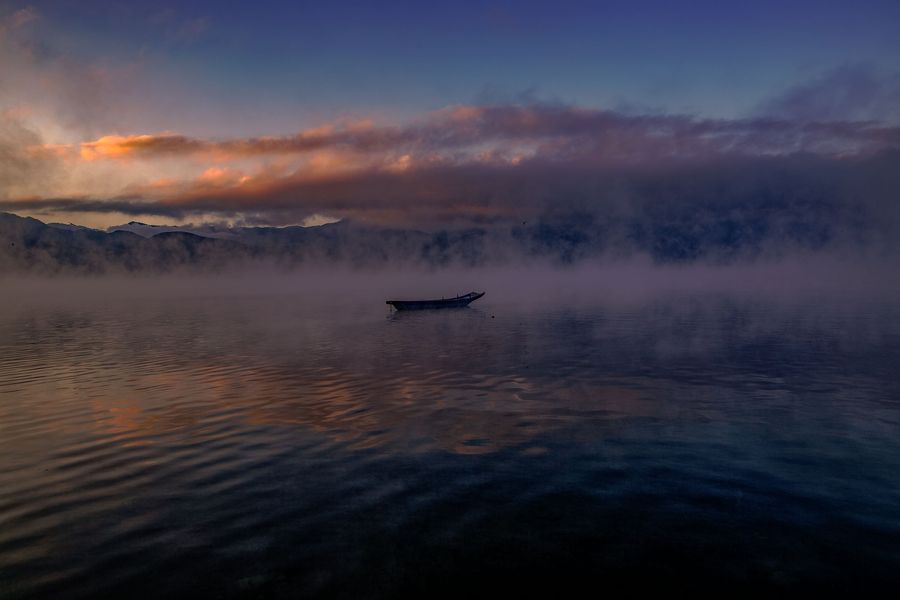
(457, 302)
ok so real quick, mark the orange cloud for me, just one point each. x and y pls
(480, 163)
(567, 133)
(221, 176)
(404, 163)
(117, 146)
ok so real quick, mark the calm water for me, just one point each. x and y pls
(264, 446)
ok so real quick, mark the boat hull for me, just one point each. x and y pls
(458, 302)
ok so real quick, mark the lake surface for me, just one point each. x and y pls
(265, 445)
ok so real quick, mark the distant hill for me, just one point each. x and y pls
(145, 230)
(29, 245)
(666, 233)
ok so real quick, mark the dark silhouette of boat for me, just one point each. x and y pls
(457, 302)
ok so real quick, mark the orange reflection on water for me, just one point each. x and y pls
(358, 410)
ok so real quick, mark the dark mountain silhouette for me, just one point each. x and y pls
(670, 232)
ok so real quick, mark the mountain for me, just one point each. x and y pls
(147, 231)
(770, 226)
(29, 245)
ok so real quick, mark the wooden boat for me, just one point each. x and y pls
(457, 302)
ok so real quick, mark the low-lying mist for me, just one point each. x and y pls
(810, 278)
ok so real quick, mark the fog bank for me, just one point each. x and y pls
(810, 279)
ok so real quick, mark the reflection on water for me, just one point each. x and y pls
(264, 446)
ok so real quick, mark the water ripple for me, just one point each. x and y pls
(284, 449)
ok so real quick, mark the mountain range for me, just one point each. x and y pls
(665, 235)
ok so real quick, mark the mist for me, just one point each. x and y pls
(814, 279)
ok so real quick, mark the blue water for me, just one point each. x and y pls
(265, 446)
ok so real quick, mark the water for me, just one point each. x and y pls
(266, 445)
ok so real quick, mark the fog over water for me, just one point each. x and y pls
(535, 283)
(273, 435)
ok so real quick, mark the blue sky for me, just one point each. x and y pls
(271, 63)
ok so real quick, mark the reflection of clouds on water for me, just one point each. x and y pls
(462, 381)
(351, 409)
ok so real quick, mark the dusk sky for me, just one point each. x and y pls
(295, 112)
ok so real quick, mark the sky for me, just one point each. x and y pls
(426, 114)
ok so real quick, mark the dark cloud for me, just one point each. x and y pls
(733, 206)
(133, 207)
(850, 92)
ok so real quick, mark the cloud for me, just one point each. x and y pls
(117, 146)
(849, 92)
(17, 20)
(24, 159)
(553, 131)
(66, 89)
(86, 205)
(815, 197)
(497, 164)
(725, 207)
